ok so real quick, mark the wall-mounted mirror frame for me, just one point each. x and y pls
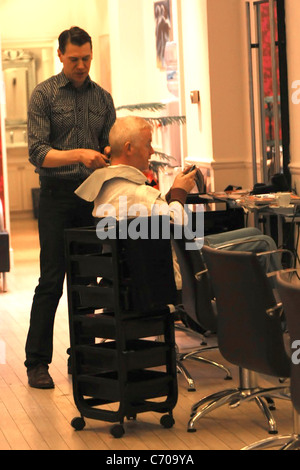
(44, 63)
(268, 49)
(20, 79)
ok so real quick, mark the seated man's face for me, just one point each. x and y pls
(142, 150)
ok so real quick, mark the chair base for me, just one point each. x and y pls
(196, 357)
(183, 370)
(236, 396)
(289, 442)
(4, 284)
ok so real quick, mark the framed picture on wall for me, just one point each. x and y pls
(163, 29)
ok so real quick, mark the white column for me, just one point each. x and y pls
(215, 63)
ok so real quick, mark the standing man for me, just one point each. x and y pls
(69, 120)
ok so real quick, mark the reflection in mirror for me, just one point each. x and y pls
(19, 75)
(269, 48)
(19, 79)
(267, 33)
(24, 65)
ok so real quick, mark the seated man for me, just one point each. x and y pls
(131, 148)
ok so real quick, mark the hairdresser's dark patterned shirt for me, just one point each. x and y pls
(64, 118)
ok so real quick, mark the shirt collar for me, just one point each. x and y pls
(63, 81)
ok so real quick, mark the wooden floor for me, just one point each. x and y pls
(40, 419)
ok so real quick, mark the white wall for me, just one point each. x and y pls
(135, 76)
(229, 79)
(196, 77)
(229, 84)
(40, 20)
(43, 19)
(215, 63)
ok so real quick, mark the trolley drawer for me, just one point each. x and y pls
(140, 385)
(104, 326)
(139, 354)
(93, 265)
(94, 296)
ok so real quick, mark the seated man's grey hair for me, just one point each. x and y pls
(126, 129)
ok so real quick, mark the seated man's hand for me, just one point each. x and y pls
(185, 180)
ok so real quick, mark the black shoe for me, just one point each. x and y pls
(39, 377)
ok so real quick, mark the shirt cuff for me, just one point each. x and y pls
(176, 194)
(38, 155)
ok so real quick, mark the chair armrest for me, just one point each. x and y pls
(272, 311)
(287, 270)
(279, 251)
(276, 310)
(200, 273)
(263, 253)
(240, 242)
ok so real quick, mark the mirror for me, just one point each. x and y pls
(270, 86)
(19, 75)
(269, 47)
(19, 80)
(24, 65)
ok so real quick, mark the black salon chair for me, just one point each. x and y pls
(288, 285)
(249, 332)
(4, 250)
(198, 307)
(198, 312)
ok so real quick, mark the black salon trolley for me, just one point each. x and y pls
(120, 297)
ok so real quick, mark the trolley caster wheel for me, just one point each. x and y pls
(131, 417)
(167, 421)
(117, 431)
(78, 424)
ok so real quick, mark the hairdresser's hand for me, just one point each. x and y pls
(92, 159)
(107, 151)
